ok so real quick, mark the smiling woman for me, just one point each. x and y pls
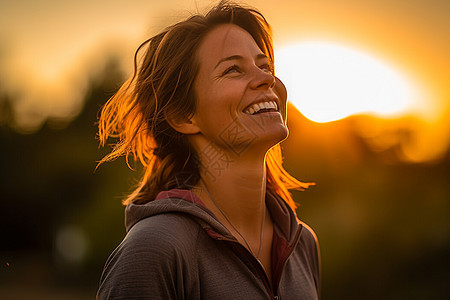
(212, 217)
(228, 90)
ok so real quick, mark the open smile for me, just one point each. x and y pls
(261, 107)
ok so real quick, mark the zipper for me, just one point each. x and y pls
(263, 271)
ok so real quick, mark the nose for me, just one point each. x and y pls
(262, 79)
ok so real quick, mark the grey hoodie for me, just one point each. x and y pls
(175, 248)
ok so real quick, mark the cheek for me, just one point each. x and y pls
(218, 102)
(211, 116)
(283, 111)
(222, 101)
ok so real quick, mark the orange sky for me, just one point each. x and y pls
(46, 46)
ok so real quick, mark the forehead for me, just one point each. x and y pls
(224, 41)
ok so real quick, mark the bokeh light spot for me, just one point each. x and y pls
(71, 244)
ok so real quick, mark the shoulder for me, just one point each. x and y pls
(150, 258)
(168, 230)
(158, 240)
(310, 245)
(308, 235)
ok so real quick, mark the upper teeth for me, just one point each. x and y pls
(262, 105)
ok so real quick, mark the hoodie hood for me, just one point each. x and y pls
(176, 201)
(286, 225)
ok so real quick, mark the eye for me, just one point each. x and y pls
(231, 70)
(266, 67)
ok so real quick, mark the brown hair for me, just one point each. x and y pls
(162, 87)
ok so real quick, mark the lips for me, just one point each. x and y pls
(260, 107)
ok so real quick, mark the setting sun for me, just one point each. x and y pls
(328, 82)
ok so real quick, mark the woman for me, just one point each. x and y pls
(212, 217)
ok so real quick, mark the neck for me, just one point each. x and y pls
(233, 187)
(236, 188)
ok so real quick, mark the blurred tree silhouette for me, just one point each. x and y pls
(48, 183)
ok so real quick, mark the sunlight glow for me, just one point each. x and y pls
(328, 82)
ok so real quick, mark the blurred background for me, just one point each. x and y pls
(369, 93)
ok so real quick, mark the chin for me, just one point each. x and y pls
(284, 135)
(277, 136)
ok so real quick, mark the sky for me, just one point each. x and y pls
(49, 49)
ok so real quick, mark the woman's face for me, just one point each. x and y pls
(237, 107)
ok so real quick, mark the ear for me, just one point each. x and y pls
(183, 125)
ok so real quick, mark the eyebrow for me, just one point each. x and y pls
(238, 57)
